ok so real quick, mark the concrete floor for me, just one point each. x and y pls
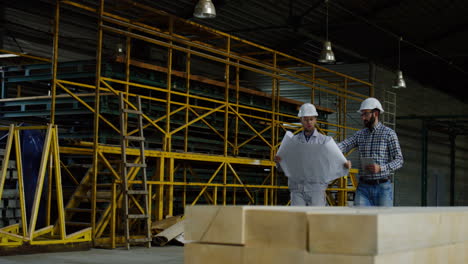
(136, 255)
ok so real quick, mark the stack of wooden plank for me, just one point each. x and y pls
(256, 234)
(10, 212)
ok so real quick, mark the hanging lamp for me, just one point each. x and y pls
(204, 9)
(399, 81)
(327, 55)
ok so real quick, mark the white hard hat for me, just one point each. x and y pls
(370, 104)
(307, 110)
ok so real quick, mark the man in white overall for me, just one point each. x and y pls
(306, 190)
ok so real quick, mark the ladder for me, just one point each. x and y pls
(134, 193)
(389, 116)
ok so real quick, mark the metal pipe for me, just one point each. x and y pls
(55, 61)
(345, 105)
(424, 132)
(372, 73)
(128, 44)
(167, 140)
(226, 114)
(49, 189)
(96, 120)
(274, 128)
(58, 184)
(186, 132)
(160, 192)
(236, 126)
(113, 214)
(187, 98)
(168, 136)
(452, 168)
(184, 193)
(19, 169)
(4, 88)
(171, 188)
(26, 55)
(274, 110)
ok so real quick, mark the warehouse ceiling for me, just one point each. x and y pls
(434, 32)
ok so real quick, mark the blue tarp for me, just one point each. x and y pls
(32, 143)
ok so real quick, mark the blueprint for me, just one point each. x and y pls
(318, 163)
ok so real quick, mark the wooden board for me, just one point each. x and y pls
(275, 229)
(269, 255)
(215, 224)
(372, 232)
(447, 254)
(195, 253)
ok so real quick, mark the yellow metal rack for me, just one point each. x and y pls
(227, 183)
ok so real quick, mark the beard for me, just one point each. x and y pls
(369, 123)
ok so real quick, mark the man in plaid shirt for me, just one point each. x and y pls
(379, 144)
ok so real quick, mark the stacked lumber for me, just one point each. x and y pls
(256, 234)
(10, 210)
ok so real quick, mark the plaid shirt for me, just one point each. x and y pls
(381, 144)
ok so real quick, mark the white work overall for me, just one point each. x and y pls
(305, 191)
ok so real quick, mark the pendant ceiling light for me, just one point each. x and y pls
(327, 55)
(204, 9)
(399, 81)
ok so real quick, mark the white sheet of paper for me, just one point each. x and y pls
(284, 149)
(318, 163)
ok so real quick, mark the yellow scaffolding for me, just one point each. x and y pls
(266, 125)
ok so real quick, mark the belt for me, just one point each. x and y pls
(373, 182)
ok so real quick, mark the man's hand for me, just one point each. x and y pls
(347, 164)
(277, 159)
(374, 168)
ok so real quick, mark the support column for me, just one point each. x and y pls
(269, 194)
(2, 36)
(424, 132)
(55, 61)
(96, 119)
(452, 168)
(168, 137)
(226, 118)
